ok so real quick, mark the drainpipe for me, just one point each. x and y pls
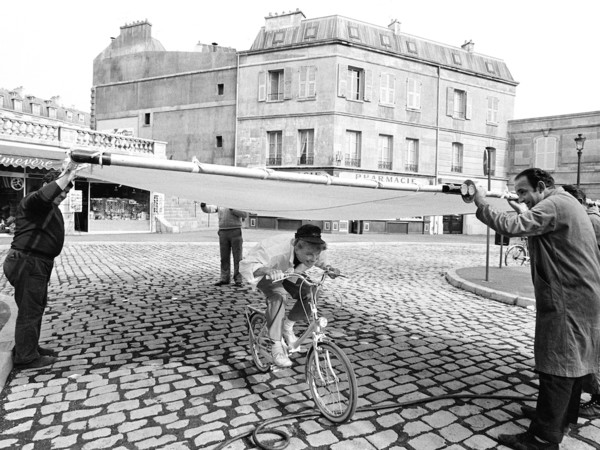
(237, 90)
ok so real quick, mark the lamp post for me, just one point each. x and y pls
(579, 141)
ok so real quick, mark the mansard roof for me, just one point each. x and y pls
(339, 29)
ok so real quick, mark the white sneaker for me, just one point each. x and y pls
(280, 358)
(290, 339)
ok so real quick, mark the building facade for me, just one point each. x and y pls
(549, 143)
(327, 95)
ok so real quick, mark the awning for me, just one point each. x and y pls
(20, 154)
(293, 195)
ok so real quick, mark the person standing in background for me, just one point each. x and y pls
(230, 241)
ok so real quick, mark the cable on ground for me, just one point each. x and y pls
(285, 437)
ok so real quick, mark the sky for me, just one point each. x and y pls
(550, 46)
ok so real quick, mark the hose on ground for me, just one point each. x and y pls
(285, 437)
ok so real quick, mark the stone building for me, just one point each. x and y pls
(326, 95)
(549, 143)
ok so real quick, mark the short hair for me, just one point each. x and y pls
(301, 243)
(51, 176)
(579, 194)
(535, 175)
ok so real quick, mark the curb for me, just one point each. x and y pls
(492, 294)
(7, 336)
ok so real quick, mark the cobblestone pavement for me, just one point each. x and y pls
(153, 356)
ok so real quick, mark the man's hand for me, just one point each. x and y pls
(479, 197)
(274, 274)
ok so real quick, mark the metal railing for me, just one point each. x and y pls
(352, 162)
(384, 165)
(305, 160)
(274, 161)
(411, 167)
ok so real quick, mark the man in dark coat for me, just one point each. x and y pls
(39, 238)
(565, 267)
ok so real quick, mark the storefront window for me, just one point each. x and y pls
(114, 202)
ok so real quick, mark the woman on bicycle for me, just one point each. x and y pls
(264, 267)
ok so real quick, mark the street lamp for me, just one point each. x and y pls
(579, 141)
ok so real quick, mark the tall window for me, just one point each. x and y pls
(387, 89)
(457, 157)
(307, 82)
(413, 94)
(275, 92)
(545, 152)
(307, 143)
(36, 109)
(492, 110)
(353, 144)
(17, 104)
(356, 83)
(412, 155)
(69, 115)
(385, 152)
(275, 140)
(459, 104)
(51, 112)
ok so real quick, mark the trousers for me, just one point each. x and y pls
(230, 243)
(557, 406)
(29, 275)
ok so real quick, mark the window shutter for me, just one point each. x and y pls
(450, 102)
(262, 86)
(468, 107)
(392, 89)
(383, 88)
(312, 81)
(287, 83)
(368, 85)
(302, 82)
(342, 80)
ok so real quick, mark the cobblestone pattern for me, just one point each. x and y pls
(153, 356)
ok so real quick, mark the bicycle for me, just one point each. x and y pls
(517, 254)
(329, 373)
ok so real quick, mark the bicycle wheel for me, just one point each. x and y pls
(515, 256)
(258, 342)
(332, 382)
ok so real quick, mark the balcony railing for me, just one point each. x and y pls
(457, 169)
(274, 161)
(411, 167)
(276, 97)
(64, 137)
(384, 165)
(305, 160)
(352, 162)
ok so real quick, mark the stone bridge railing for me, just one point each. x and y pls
(65, 137)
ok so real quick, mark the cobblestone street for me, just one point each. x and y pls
(152, 355)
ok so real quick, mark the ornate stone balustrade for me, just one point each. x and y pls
(64, 137)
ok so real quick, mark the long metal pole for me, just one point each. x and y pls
(578, 166)
(487, 243)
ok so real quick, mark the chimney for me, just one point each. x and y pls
(284, 20)
(468, 46)
(135, 32)
(395, 26)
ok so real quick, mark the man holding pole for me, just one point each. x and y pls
(565, 267)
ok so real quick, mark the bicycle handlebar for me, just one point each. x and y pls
(288, 274)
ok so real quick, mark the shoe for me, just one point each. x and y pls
(281, 359)
(590, 410)
(47, 352)
(238, 284)
(42, 361)
(525, 441)
(290, 339)
(221, 283)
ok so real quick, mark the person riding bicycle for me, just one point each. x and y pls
(264, 267)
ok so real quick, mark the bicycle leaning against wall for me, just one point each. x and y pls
(517, 254)
(329, 373)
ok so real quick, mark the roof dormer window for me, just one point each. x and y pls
(353, 32)
(411, 46)
(278, 37)
(456, 59)
(490, 67)
(385, 40)
(311, 32)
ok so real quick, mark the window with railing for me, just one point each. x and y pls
(385, 152)
(457, 157)
(275, 146)
(411, 157)
(306, 140)
(353, 148)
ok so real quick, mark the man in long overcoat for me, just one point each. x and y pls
(565, 267)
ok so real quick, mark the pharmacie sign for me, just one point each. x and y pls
(26, 161)
(385, 178)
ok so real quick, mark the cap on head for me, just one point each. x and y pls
(309, 233)
(50, 176)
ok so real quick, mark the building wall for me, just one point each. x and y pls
(527, 135)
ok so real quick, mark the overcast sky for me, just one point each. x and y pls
(550, 46)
